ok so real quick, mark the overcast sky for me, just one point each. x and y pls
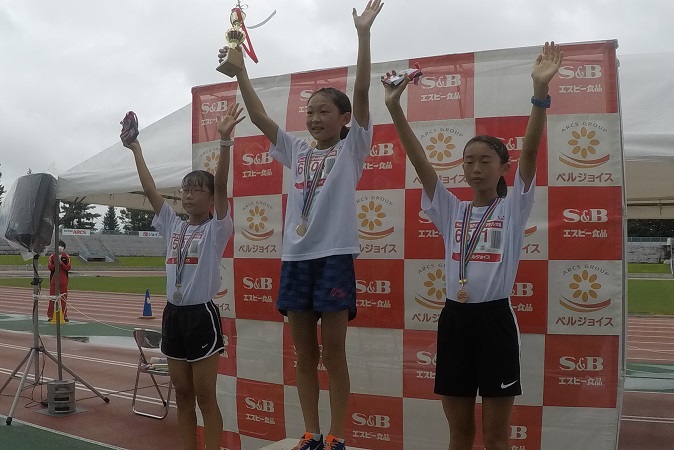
(70, 69)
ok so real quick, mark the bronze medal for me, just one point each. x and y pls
(462, 295)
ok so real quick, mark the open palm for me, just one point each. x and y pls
(364, 21)
(547, 64)
(228, 121)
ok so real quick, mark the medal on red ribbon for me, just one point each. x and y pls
(181, 257)
(468, 243)
(309, 189)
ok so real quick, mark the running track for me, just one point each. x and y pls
(647, 416)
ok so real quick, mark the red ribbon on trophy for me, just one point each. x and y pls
(237, 17)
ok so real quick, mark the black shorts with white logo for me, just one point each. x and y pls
(478, 350)
(191, 332)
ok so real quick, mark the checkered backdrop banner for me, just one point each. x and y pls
(568, 295)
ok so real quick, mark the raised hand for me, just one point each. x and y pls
(365, 20)
(229, 120)
(393, 93)
(547, 64)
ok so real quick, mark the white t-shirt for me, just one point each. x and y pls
(331, 226)
(201, 272)
(492, 268)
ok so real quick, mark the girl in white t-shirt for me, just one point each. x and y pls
(320, 236)
(191, 327)
(478, 339)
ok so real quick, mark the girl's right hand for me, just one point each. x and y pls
(393, 93)
(222, 54)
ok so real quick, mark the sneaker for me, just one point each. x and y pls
(331, 443)
(309, 443)
(129, 128)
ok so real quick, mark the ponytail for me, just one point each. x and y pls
(344, 132)
(502, 188)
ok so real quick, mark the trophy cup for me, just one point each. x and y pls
(235, 36)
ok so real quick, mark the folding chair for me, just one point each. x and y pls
(150, 339)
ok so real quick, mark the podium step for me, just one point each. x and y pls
(287, 444)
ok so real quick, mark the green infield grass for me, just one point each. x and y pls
(647, 268)
(650, 296)
(122, 261)
(156, 285)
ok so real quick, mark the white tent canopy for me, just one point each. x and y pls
(110, 177)
(646, 84)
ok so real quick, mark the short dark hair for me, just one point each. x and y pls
(200, 178)
(501, 150)
(62, 244)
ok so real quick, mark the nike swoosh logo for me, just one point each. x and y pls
(206, 345)
(506, 386)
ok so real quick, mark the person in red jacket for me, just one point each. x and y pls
(64, 260)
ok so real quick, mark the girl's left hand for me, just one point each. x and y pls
(364, 21)
(228, 121)
(393, 93)
(547, 64)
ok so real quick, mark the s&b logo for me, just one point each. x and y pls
(220, 106)
(523, 290)
(441, 81)
(585, 215)
(371, 420)
(426, 358)
(259, 159)
(264, 284)
(373, 287)
(583, 72)
(581, 364)
(259, 405)
(385, 149)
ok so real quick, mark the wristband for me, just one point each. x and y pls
(227, 142)
(540, 103)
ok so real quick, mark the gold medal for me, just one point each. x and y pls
(301, 229)
(462, 295)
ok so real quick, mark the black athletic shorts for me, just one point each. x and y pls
(191, 332)
(478, 350)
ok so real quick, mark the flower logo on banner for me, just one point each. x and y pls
(584, 143)
(440, 151)
(211, 162)
(585, 295)
(435, 292)
(256, 224)
(371, 215)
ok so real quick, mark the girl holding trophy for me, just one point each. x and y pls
(478, 346)
(191, 328)
(320, 239)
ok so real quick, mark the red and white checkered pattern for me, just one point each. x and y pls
(569, 291)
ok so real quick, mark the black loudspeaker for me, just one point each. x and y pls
(30, 221)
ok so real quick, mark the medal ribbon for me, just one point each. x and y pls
(309, 188)
(468, 246)
(182, 251)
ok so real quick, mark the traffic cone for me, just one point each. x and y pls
(147, 307)
(57, 317)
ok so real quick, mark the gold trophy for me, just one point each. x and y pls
(235, 36)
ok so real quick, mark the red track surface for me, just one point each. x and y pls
(647, 422)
